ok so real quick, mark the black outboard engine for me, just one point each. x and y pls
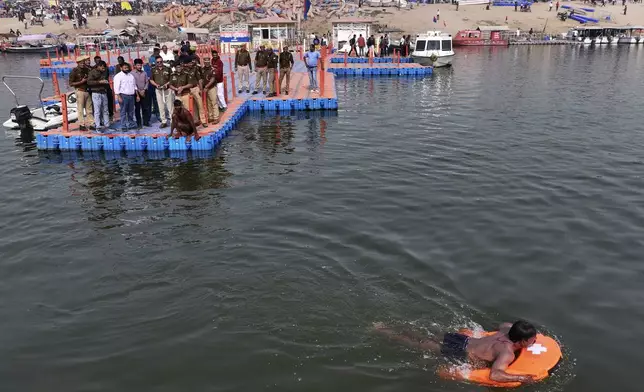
(22, 116)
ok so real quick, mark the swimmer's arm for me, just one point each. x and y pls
(173, 125)
(498, 372)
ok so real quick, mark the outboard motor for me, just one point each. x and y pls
(22, 116)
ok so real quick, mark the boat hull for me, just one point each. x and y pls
(442, 61)
(40, 49)
(480, 42)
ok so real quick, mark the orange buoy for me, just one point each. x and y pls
(536, 360)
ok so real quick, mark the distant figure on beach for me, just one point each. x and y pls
(557, 6)
(457, 6)
(183, 122)
(516, 5)
(12, 32)
(438, 14)
(625, 7)
(107, 23)
(550, 7)
(352, 44)
(498, 349)
(361, 44)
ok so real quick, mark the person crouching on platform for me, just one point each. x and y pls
(78, 80)
(99, 85)
(286, 64)
(161, 75)
(183, 122)
(218, 68)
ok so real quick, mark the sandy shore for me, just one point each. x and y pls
(412, 21)
(467, 17)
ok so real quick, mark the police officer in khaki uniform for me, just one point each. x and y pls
(165, 95)
(210, 86)
(179, 83)
(193, 73)
(78, 80)
(261, 63)
(286, 64)
(272, 70)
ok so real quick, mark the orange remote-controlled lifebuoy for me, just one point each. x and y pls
(536, 360)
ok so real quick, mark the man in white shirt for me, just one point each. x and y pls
(167, 56)
(126, 92)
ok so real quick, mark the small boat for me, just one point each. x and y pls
(46, 116)
(482, 36)
(29, 48)
(587, 41)
(601, 40)
(613, 40)
(33, 43)
(433, 48)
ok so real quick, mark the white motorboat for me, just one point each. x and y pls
(613, 40)
(640, 40)
(587, 41)
(433, 48)
(46, 116)
(627, 40)
(30, 48)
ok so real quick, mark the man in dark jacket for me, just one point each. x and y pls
(261, 63)
(272, 70)
(286, 64)
(243, 67)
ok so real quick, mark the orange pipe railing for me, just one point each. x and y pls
(54, 80)
(277, 82)
(232, 83)
(63, 103)
(204, 98)
(322, 71)
(225, 89)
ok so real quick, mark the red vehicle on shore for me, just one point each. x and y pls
(482, 36)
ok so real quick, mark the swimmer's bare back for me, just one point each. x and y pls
(183, 122)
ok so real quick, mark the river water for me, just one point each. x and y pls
(508, 186)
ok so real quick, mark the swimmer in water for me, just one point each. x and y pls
(498, 349)
(183, 122)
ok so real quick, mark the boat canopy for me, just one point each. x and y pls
(34, 37)
(493, 28)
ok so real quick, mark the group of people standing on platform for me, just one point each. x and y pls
(382, 47)
(142, 91)
(266, 68)
(267, 64)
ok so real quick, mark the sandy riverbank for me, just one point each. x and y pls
(411, 21)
